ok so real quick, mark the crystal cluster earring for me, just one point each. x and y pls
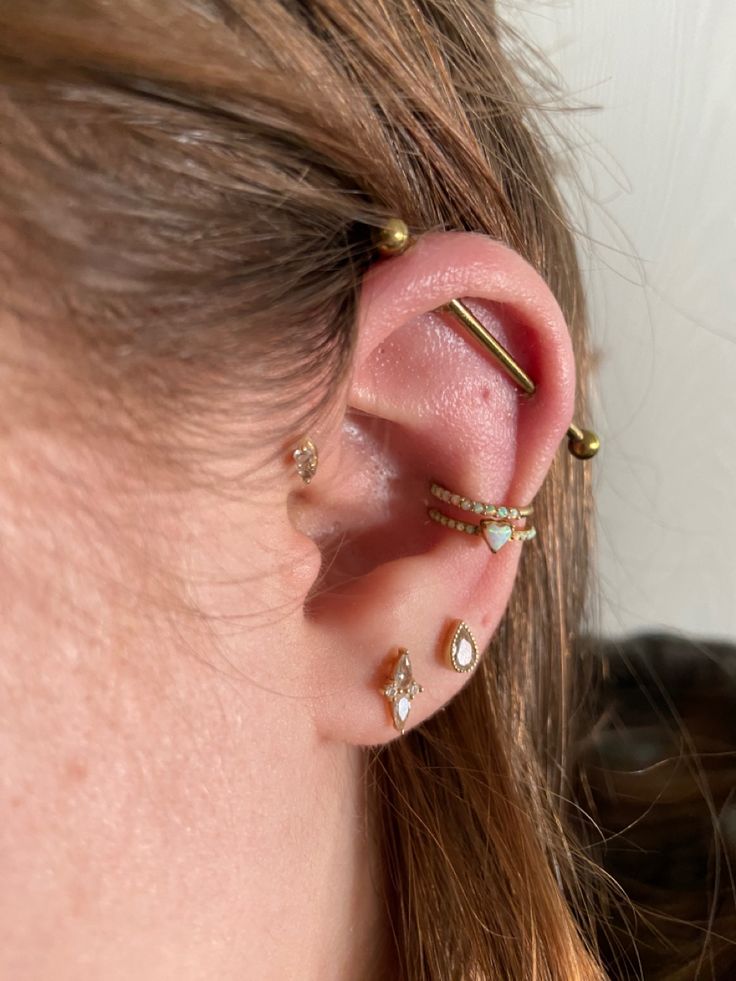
(306, 460)
(401, 690)
(461, 654)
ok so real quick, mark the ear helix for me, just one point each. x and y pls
(495, 523)
(393, 239)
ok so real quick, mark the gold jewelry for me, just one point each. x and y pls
(401, 689)
(306, 460)
(462, 650)
(494, 532)
(395, 238)
(480, 507)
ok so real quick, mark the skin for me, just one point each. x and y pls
(182, 716)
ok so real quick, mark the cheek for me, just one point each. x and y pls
(107, 797)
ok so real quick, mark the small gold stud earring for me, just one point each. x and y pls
(306, 460)
(462, 650)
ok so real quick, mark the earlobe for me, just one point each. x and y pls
(429, 408)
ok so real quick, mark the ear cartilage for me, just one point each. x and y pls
(306, 460)
(582, 443)
(395, 238)
(462, 650)
(401, 690)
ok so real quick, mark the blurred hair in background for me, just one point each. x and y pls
(660, 777)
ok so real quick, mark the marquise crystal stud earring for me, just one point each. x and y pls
(306, 460)
(462, 650)
(394, 239)
(401, 690)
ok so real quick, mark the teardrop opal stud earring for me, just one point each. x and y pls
(401, 690)
(462, 650)
(395, 238)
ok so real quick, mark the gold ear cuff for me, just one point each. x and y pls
(480, 507)
(395, 238)
(497, 525)
(495, 534)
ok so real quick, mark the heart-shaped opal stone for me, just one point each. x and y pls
(496, 534)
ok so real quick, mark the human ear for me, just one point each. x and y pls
(426, 404)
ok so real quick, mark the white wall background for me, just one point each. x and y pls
(658, 164)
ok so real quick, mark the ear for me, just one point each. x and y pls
(426, 404)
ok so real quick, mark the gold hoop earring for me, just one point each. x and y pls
(494, 511)
(495, 533)
(498, 524)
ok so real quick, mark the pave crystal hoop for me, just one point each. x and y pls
(495, 533)
(494, 511)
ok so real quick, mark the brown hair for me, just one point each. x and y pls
(195, 183)
(660, 777)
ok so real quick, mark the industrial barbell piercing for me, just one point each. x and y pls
(393, 239)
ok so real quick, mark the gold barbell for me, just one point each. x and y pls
(393, 239)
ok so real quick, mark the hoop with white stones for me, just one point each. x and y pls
(494, 511)
(495, 533)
